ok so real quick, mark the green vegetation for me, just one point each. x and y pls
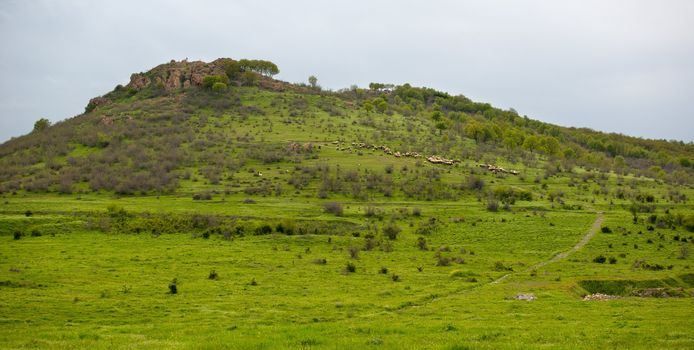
(207, 205)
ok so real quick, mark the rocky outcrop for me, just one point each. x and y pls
(177, 74)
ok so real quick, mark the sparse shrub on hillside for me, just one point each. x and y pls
(492, 205)
(213, 275)
(500, 266)
(606, 229)
(474, 183)
(383, 270)
(17, 235)
(600, 259)
(173, 287)
(391, 231)
(333, 208)
(350, 267)
(422, 243)
(204, 196)
(353, 252)
(442, 260)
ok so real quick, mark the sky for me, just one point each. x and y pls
(614, 66)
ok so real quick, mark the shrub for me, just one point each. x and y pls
(391, 231)
(443, 261)
(422, 243)
(206, 235)
(499, 266)
(333, 208)
(219, 87)
(173, 288)
(213, 275)
(263, 229)
(253, 282)
(600, 259)
(416, 211)
(370, 243)
(353, 252)
(493, 205)
(205, 196)
(612, 260)
(28, 213)
(35, 233)
(395, 278)
(383, 270)
(350, 267)
(606, 229)
(319, 261)
(17, 235)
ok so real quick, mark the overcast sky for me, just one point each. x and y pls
(617, 66)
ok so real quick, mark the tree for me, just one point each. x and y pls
(41, 124)
(368, 106)
(313, 81)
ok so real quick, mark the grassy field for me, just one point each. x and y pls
(77, 288)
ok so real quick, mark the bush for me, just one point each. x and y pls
(173, 288)
(353, 252)
(391, 231)
(213, 275)
(35, 233)
(219, 87)
(422, 243)
(333, 208)
(499, 266)
(493, 205)
(416, 211)
(606, 229)
(383, 270)
(319, 261)
(612, 260)
(443, 261)
(350, 267)
(17, 235)
(205, 196)
(395, 278)
(600, 259)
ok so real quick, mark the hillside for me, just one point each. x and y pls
(208, 205)
(213, 121)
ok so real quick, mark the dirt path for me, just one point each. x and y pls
(429, 299)
(591, 232)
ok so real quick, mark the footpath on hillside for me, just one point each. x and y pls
(589, 235)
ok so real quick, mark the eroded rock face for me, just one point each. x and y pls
(175, 75)
(138, 81)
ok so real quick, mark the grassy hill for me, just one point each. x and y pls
(209, 205)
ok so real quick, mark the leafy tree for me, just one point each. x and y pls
(532, 143)
(313, 81)
(549, 145)
(41, 124)
(368, 106)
